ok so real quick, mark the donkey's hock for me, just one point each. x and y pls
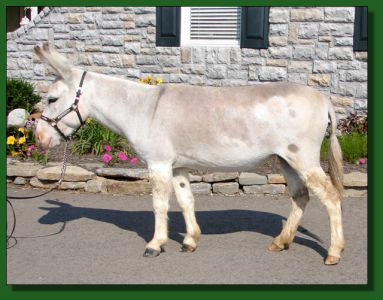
(175, 127)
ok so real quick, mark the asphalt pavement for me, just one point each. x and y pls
(69, 237)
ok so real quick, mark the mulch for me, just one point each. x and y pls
(270, 166)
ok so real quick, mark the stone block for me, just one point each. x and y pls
(216, 71)
(272, 74)
(277, 62)
(195, 178)
(353, 75)
(278, 41)
(280, 52)
(20, 181)
(308, 31)
(278, 29)
(78, 185)
(246, 178)
(22, 170)
(300, 78)
(273, 189)
(355, 179)
(276, 179)
(322, 80)
(303, 52)
(340, 53)
(201, 188)
(72, 173)
(128, 187)
(226, 188)
(220, 176)
(339, 14)
(324, 66)
(355, 193)
(300, 66)
(306, 14)
(96, 185)
(336, 29)
(279, 15)
(186, 54)
(342, 101)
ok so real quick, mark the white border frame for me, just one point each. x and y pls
(185, 35)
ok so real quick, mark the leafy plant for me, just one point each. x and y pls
(21, 143)
(354, 124)
(93, 137)
(20, 94)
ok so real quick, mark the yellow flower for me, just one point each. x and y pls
(159, 80)
(141, 80)
(15, 153)
(22, 140)
(11, 140)
(88, 120)
(22, 130)
(149, 79)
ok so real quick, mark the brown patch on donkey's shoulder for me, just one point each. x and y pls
(293, 148)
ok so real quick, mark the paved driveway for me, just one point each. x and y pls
(76, 238)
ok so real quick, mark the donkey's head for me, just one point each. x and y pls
(54, 123)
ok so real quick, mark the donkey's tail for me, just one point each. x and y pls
(335, 154)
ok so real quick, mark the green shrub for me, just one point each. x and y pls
(354, 146)
(93, 137)
(20, 94)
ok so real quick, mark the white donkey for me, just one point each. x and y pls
(174, 128)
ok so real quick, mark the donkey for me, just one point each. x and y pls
(175, 128)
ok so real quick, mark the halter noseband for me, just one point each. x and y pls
(73, 107)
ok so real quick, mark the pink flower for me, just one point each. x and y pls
(133, 160)
(106, 158)
(31, 147)
(29, 153)
(362, 161)
(121, 155)
(108, 148)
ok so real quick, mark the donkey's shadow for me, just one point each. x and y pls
(211, 222)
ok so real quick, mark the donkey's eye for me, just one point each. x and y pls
(52, 100)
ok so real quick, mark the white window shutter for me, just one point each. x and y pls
(216, 23)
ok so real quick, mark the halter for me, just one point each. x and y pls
(74, 107)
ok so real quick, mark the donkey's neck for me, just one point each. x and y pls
(122, 105)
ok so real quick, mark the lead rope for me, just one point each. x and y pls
(56, 186)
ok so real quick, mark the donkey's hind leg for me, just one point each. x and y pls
(321, 185)
(300, 197)
(185, 199)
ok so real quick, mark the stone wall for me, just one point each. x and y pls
(311, 46)
(94, 178)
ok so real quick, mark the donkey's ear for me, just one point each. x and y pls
(48, 54)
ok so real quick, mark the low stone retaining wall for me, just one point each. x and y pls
(95, 178)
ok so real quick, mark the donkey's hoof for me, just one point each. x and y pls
(149, 252)
(275, 248)
(187, 248)
(332, 260)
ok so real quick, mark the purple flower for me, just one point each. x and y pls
(106, 158)
(108, 148)
(133, 160)
(121, 155)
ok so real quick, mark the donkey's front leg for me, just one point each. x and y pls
(161, 179)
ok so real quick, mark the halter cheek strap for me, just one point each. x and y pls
(74, 107)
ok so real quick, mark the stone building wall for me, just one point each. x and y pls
(310, 46)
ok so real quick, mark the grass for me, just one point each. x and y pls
(354, 146)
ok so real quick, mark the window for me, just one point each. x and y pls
(247, 27)
(215, 26)
(361, 29)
